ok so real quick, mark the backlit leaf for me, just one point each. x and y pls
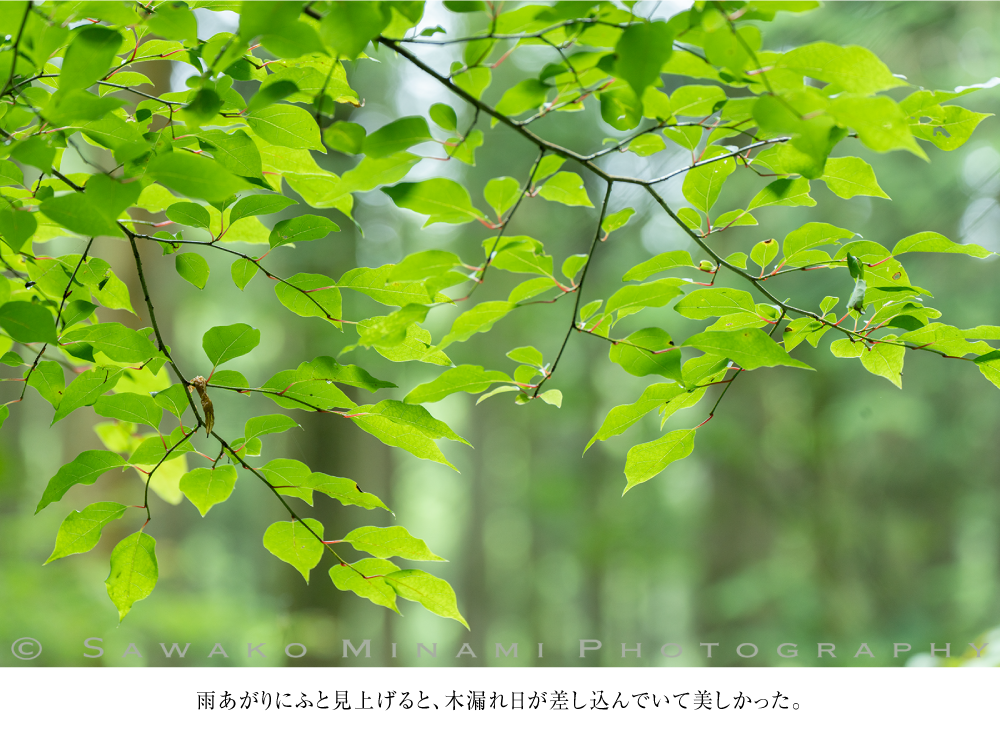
(134, 571)
(295, 545)
(81, 531)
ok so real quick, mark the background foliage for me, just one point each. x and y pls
(825, 505)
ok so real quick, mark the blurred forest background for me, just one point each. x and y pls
(823, 506)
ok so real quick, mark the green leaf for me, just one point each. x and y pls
(304, 228)
(28, 322)
(89, 56)
(728, 47)
(648, 351)
(193, 268)
(547, 166)
(84, 469)
(925, 242)
(784, 192)
(12, 359)
(77, 105)
(174, 399)
(502, 194)
(16, 225)
(349, 26)
(257, 205)
(647, 460)
(879, 122)
(852, 68)
(527, 355)
(273, 91)
(223, 343)
(202, 107)
(695, 100)
(174, 22)
(423, 265)
(229, 378)
(641, 52)
(849, 177)
(528, 94)
(886, 360)
(116, 341)
(633, 298)
(813, 234)
(187, 212)
(81, 531)
(397, 136)
(300, 389)
(846, 349)
(130, 407)
(464, 6)
(80, 213)
(346, 491)
(435, 595)
(286, 125)
(208, 487)
(479, 318)
(243, 271)
(989, 365)
(235, 151)
(708, 302)
(703, 184)
(530, 288)
(470, 378)
(347, 137)
(195, 176)
(114, 294)
(792, 6)
(738, 321)
(949, 127)
(307, 295)
(763, 253)
(474, 81)
(10, 174)
(412, 415)
(409, 435)
(646, 145)
(366, 579)
(295, 545)
(944, 338)
(572, 265)
(77, 311)
(154, 449)
(442, 199)
(749, 348)
(736, 218)
(263, 425)
(389, 542)
(617, 220)
(289, 477)
(133, 571)
(373, 172)
(566, 188)
(659, 395)
(659, 263)
(444, 116)
(48, 380)
(552, 397)
(374, 284)
(519, 255)
(391, 330)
